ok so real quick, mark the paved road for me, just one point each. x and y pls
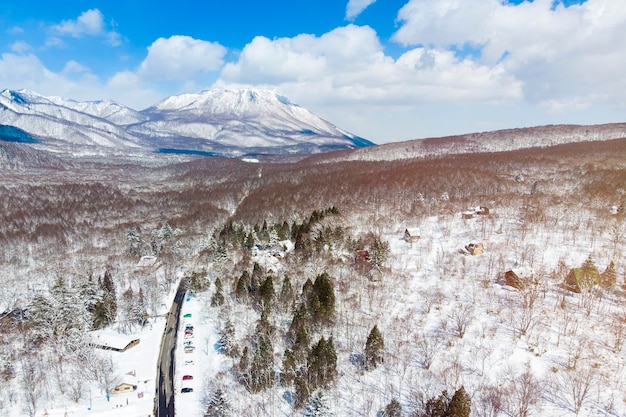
(164, 400)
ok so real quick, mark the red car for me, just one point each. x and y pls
(187, 377)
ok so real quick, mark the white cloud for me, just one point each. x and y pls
(179, 58)
(74, 67)
(348, 64)
(89, 23)
(27, 71)
(20, 47)
(560, 54)
(355, 7)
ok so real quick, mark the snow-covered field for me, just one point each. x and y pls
(448, 321)
(446, 317)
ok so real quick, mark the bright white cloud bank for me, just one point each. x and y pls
(181, 58)
(463, 67)
(89, 23)
(561, 55)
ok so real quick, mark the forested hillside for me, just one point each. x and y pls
(319, 302)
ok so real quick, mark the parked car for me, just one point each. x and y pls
(189, 363)
(189, 328)
(189, 349)
(186, 389)
(187, 316)
(187, 377)
(188, 342)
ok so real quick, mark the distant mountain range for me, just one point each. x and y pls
(213, 122)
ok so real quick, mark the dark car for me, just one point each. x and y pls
(186, 389)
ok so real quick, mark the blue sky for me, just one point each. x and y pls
(385, 70)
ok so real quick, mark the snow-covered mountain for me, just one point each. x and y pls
(222, 122)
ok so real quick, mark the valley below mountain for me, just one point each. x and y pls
(347, 282)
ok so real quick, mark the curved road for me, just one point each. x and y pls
(164, 399)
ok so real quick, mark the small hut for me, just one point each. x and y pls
(412, 234)
(519, 277)
(475, 248)
(582, 278)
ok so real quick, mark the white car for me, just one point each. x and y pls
(189, 363)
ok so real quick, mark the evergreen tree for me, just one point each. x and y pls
(318, 407)
(379, 251)
(261, 368)
(272, 237)
(241, 289)
(374, 348)
(255, 279)
(438, 407)
(134, 242)
(460, 404)
(140, 314)
(227, 344)
(302, 393)
(322, 299)
(393, 409)
(244, 367)
(105, 310)
(286, 293)
(218, 406)
(322, 363)
(266, 294)
(89, 292)
(300, 319)
(199, 282)
(444, 406)
(307, 290)
(289, 367)
(218, 297)
(284, 231)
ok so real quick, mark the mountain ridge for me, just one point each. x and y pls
(230, 123)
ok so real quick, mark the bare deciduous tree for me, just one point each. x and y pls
(460, 318)
(427, 349)
(522, 393)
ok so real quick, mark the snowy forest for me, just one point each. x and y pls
(345, 288)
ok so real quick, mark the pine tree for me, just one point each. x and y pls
(141, 313)
(261, 368)
(374, 348)
(227, 344)
(286, 293)
(322, 299)
(322, 363)
(241, 289)
(302, 393)
(393, 409)
(318, 407)
(243, 367)
(460, 404)
(266, 294)
(300, 319)
(438, 407)
(218, 297)
(255, 279)
(218, 406)
(105, 311)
